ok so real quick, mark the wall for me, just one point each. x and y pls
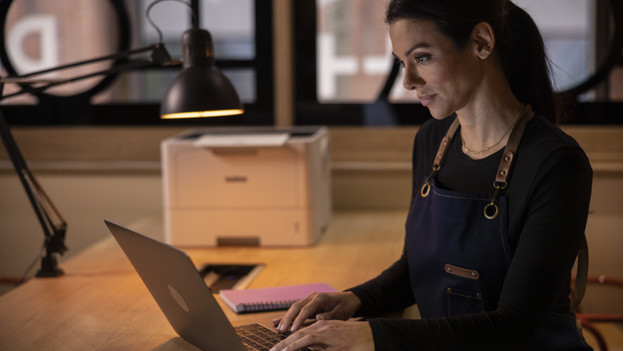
(83, 199)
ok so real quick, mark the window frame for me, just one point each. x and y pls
(77, 110)
(308, 109)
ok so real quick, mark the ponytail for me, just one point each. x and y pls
(525, 63)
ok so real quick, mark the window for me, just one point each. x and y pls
(344, 60)
(43, 35)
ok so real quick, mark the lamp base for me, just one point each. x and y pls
(49, 268)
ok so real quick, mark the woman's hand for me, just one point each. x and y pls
(325, 306)
(330, 335)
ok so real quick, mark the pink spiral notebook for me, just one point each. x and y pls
(270, 299)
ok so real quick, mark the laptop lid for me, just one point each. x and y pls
(179, 291)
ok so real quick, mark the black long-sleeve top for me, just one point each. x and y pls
(548, 198)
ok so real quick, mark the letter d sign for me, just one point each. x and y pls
(43, 26)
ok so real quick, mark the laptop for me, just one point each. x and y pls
(184, 298)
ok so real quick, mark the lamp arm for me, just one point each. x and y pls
(159, 57)
(51, 221)
(52, 83)
(116, 56)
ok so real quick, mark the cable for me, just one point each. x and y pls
(160, 35)
(30, 267)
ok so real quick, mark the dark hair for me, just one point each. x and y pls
(519, 44)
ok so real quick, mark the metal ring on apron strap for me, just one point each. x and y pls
(491, 210)
(426, 188)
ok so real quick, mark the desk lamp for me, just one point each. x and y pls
(199, 90)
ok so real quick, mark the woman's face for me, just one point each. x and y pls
(443, 77)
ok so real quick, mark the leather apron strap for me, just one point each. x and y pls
(444, 145)
(504, 168)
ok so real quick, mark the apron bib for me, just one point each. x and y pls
(457, 258)
(458, 250)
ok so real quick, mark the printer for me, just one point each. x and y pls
(260, 186)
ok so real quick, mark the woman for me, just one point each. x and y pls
(499, 204)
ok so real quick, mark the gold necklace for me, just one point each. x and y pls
(487, 148)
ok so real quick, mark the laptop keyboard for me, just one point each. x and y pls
(258, 337)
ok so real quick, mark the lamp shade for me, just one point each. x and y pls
(200, 89)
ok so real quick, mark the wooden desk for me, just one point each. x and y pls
(100, 303)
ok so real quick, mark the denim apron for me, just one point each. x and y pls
(458, 250)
